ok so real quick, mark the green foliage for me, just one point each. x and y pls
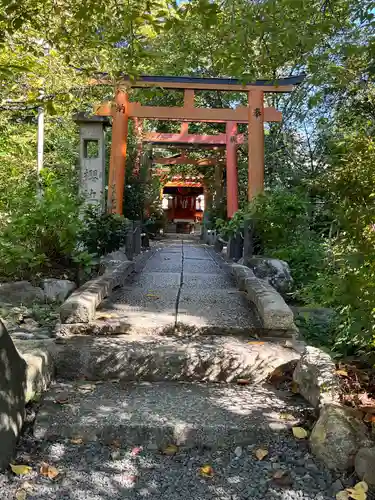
(103, 233)
(41, 232)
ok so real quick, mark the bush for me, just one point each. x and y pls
(103, 233)
(41, 233)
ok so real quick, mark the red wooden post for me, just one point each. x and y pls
(138, 130)
(232, 180)
(256, 144)
(116, 180)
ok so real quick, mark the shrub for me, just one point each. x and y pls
(103, 233)
(40, 234)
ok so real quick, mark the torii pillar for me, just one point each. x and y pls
(256, 144)
(232, 176)
(116, 181)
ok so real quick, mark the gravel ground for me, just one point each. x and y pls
(95, 471)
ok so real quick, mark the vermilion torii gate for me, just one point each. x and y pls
(255, 114)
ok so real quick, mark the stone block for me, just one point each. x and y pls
(338, 435)
(276, 272)
(20, 292)
(81, 306)
(56, 290)
(365, 465)
(316, 378)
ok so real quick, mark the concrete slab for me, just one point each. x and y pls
(164, 262)
(207, 281)
(192, 415)
(155, 282)
(201, 266)
(142, 309)
(169, 357)
(217, 308)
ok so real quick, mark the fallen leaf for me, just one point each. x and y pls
(152, 296)
(48, 471)
(206, 471)
(21, 495)
(171, 449)
(286, 416)
(116, 443)
(62, 398)
(77, 440)
(20, 470)
(343, 373)
(277, 373)
(261, 453)
(282, 478)
(26, 485)
(295, 388)
(243, 381)
(107, 316)
(362, 485)
(358, 492)
(256, 342)
(342, 495)
(299, 432)
(136, 451)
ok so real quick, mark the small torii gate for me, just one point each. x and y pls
(255, 114)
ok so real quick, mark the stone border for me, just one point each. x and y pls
(81, 306)
(273, 311)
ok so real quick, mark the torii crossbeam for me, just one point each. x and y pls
(255, 114)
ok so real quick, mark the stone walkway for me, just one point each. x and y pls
(182, 286)
(168, 377)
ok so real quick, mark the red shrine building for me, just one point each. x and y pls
(183, 203)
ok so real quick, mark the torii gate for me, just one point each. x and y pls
(255, 114)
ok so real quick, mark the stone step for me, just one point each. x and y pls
(157, 358)
(158, 414)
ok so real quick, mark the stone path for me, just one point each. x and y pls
(168, 376)
(182, 286)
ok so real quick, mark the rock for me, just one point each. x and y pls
(238, 451)
(13, 370)
(365, 465)
(275, 272)
(113, 259)
(20, 292)
(56, 290)
(315, 375)
(338, 435)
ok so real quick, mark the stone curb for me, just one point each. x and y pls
(81, 306)
(273, 311)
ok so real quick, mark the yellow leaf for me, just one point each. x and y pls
(286, 416)
(343, 373)
(359, 491)
(48, 471)
(206, 471)
(342, 495)
(356, 494)
(20, 470)
(171, 449)
(279, 474)
(299, 432)
(295, 388)
(76, 440)
(256, 342)
(152, 296)
(21, 495)
(261, 453)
